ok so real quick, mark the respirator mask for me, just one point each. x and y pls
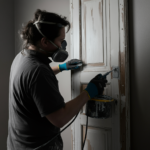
(60, 54)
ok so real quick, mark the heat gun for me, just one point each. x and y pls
(100, 106)
(104, 75)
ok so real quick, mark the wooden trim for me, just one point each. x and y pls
(96, 64)
(127, 79)
(124, 83)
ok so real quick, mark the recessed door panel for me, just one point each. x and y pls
(103, 137)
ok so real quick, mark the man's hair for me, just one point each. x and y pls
(30, 34)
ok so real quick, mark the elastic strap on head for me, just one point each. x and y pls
(58, 24)
(53, 44)
(42, 33)
(38, 28)
(35, 23)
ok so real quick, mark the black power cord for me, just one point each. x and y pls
(38, 148)
(85, 133)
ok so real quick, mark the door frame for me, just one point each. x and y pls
(75, 46)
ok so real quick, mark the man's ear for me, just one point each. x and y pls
(44, 42)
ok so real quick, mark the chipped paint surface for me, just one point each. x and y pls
(89, 145)
(122, 82)
(86, 0)
(122, 87)
(72, 137)
(123, 124)
(84, 26)
(92, 12)
(122, 17)
(122, 73)
(122, 13)
(95, 64)
(72, 142)
(101, 12)
(113, 32)
(92, 36)
(72, 6)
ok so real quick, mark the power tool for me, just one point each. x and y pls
(101, 105)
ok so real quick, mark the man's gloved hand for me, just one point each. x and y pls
(96, 86)
(70, 65)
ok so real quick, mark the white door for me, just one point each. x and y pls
(99, 39)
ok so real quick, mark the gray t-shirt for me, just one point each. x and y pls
(33, 94)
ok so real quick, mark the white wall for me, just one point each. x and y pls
(139, 37)
(24, 11)
(7, 54)
(139, 25)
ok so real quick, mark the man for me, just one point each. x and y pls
(37, 110)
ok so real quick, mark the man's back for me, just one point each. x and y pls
(31, 75)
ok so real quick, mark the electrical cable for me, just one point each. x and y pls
(85, 133)
(38, 148)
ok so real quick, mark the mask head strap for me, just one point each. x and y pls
(38, 28)
(45, 22)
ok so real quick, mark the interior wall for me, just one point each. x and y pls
(7, 54)
(139, 37)
(24, 11)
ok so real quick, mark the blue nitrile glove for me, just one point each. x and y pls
(96, 86)
(70, 65)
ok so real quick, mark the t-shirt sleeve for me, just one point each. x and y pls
(45, 92)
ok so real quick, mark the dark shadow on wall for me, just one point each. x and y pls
(132, 69)
(7, 54)
(139, 95)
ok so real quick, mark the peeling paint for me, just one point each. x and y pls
(111, 72)
(101, 13)
(100, 10)
(86, 0)
(72, 6)
(92, 23)
(89, 145)
(72, 139)
(92, 12)
(85, 27)
(92, 18)
(80, 29)
(122, 17)
(123, 129)
(95, 64)
(122, 87)
(109, 30)
(71, 25)
(122, 73)
(122, 100)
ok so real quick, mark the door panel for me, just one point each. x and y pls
(103, 136)
(95, 34)
(92, 42)
(98, 39)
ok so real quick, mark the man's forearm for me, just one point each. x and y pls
(73, 107)
(55, 70)
(62, 116)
